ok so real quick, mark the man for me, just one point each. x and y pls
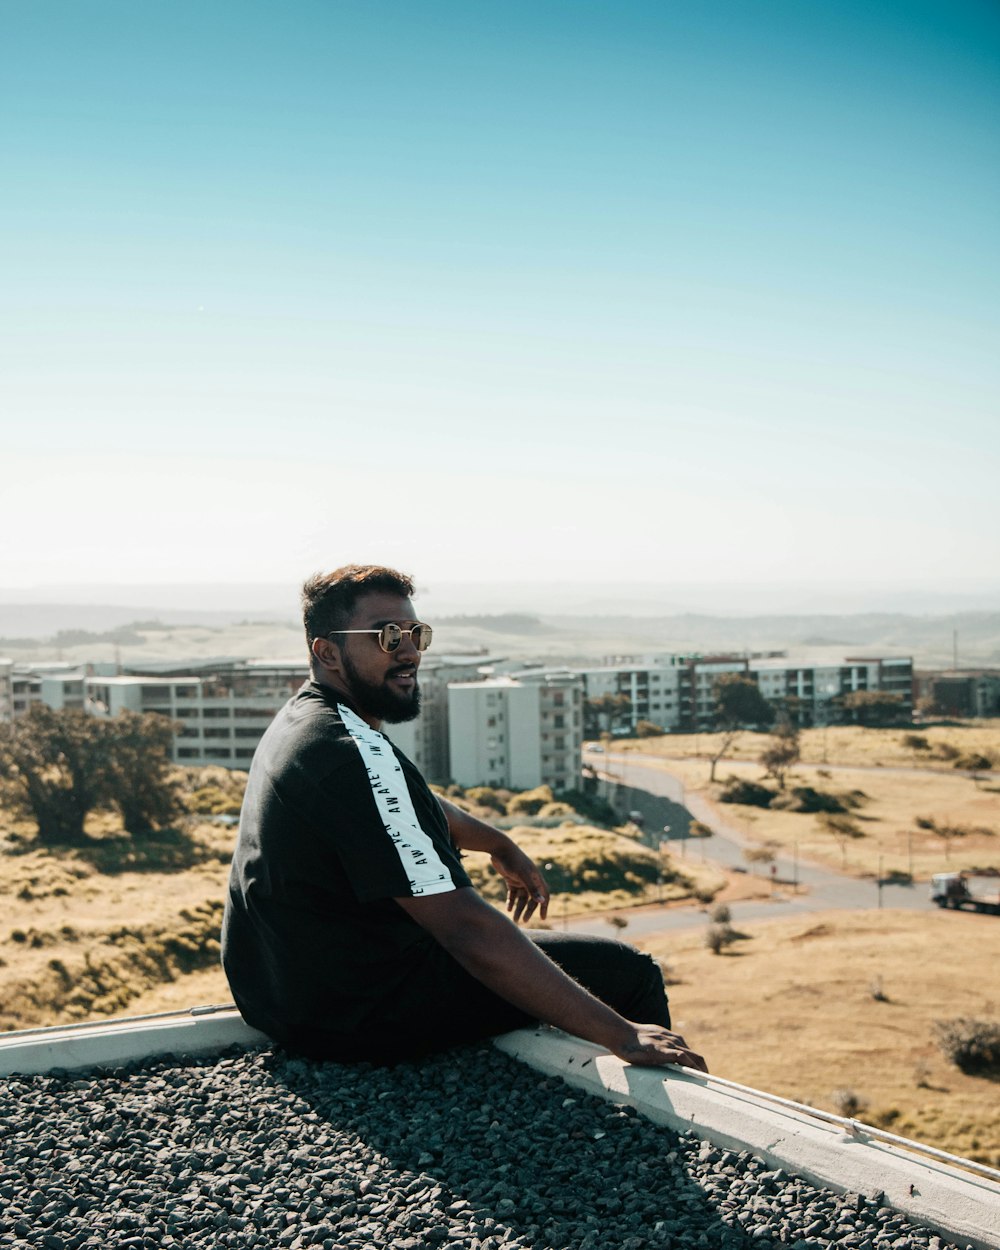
(351, 930)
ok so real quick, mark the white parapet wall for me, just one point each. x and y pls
(200, 1031)
(958, 1204)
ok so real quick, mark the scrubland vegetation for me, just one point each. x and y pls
(113, 923)
(908, 803)
(892, 1017)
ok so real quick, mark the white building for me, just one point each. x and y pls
(677, 692)
(425, 740)
(652, 688)
(517, 732)
(222, 714)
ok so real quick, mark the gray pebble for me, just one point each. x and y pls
(465, 1151)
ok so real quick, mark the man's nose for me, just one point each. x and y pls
(407, 648)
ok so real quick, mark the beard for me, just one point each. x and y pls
(379, 700)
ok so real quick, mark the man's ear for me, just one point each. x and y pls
(327, 653)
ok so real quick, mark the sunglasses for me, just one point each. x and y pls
(390, 636)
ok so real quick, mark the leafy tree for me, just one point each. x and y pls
(738, 704)
(57, 762)
(648, 729)
(139, 770)
(63, 764)
(607, 712)
(781, 752)
(872, 707)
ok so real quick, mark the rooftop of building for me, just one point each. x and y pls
(568, 1149)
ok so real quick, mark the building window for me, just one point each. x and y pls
(219, 733)
(217, 753)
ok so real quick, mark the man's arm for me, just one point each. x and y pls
(526, 887)
(497, 953)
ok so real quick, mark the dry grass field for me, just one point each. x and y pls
(846, 1001)
(908, 812)
(848, 745)
(125, 926)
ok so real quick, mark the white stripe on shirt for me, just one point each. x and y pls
(424, 869)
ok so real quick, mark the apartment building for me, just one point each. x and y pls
(517, 732)
(678, 692)
(964, 692)
(426, 740)
(652, 689)
(222, 712)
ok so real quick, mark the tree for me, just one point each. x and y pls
(140, 784)
(872, 707)
(738, 704)
(648, 729)
(58, 765)
(607, 712)
(781, 752)
(65, 763)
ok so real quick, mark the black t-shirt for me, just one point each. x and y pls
(336, 824)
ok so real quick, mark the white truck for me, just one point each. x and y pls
(966, 890)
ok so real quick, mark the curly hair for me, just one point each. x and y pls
(328, 599)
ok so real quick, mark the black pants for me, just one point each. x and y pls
(449, 1007)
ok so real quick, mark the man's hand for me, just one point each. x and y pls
(527, 889)
(650, 1045)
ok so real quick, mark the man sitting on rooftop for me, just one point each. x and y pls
(352, 931)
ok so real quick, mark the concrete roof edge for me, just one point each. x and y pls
(957, 1204)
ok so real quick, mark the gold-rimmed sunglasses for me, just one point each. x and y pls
(391, 635)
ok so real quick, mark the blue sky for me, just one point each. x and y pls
(582, 291)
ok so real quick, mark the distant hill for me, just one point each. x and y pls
(91, 632)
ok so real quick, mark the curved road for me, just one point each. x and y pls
(662, 800)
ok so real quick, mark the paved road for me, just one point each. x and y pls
(802, 888)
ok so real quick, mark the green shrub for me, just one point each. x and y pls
(916, 742)
(840, 826)
(647, 729)
(974, 762)
(848, 1103)
(486, 796)
(591, 806)
(718, 937)
(973, 1046)
(747, 793)
(529, 802)
(211, 800)
(807, 799)
(556, 809)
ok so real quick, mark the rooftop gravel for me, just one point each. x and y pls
(467, 1151)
